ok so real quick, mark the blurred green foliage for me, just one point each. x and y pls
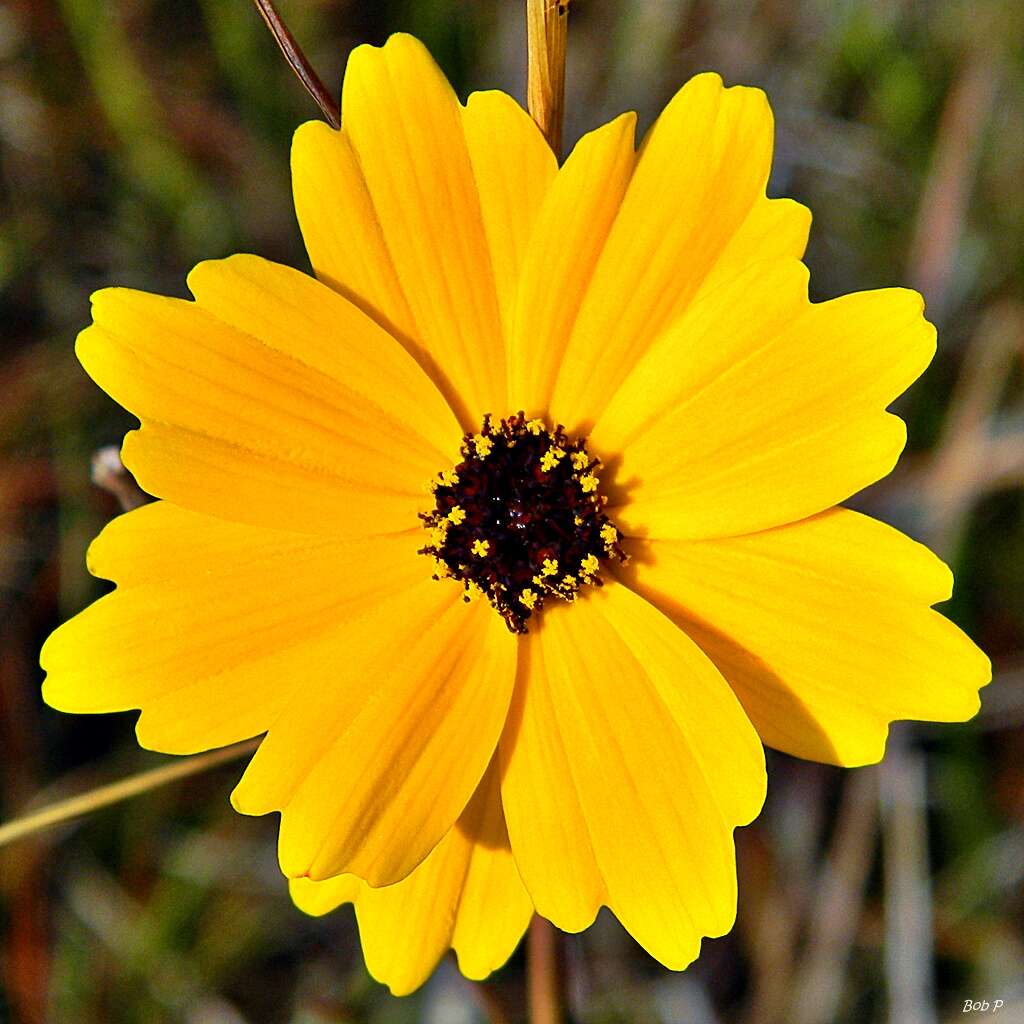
(137, 138)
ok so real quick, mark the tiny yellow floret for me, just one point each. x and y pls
(551, 458)
(449, 478)
(480, 547)
(588, 483)
(528, 598)
(483, 445)
(535, 427)
(457, 515)
(550, 567)
(590, 565)
(580, 460)
(609, 534)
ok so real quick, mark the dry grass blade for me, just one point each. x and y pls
(123, 789)
(975, 455)
(909, 931)
(839, 903)
(943, 208)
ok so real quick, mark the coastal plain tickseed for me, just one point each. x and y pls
(516, 530)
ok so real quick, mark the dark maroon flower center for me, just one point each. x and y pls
(521, 518)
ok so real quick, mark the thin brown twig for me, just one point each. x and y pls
(299, 63)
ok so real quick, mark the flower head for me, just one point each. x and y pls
(605, 373)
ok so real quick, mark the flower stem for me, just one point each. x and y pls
(114, 792)
(547, 22)
(299, 64)
(542, 969)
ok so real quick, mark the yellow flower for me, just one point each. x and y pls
(480, 759)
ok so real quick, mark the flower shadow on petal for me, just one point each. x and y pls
(618, 491)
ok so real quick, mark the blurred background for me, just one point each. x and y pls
(138, 137)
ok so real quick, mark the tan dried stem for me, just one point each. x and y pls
(542, 970)
(547, 23)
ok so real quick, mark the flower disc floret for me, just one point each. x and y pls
(521, 518)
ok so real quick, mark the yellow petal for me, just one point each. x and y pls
(293, 315)
(405, 127)
(319, 898)
(214, 624)
(823, 629)
(340, 228)
(542, 805)
(466, 895)
(774, 229)
(372, 766)
(627, 762)
(495, 908)
(513, 167)
(701, 169)
(272, 401)
(758, 408)
(567, 239)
